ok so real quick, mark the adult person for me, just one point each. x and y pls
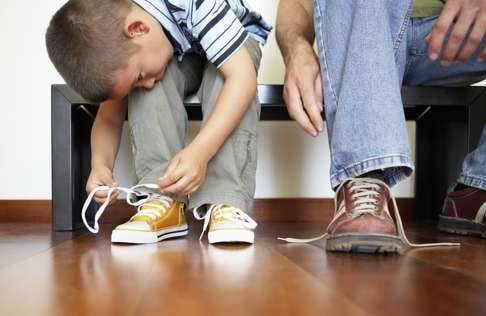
(366, 51)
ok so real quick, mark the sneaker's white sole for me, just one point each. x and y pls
(141, 237)
(229, 236)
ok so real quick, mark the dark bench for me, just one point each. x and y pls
(449, 124)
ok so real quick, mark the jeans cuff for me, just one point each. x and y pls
(473, 181)
(396, 168)
(240, 201)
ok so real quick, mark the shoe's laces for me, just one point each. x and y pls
(481, 214)
(154, 211)
(224, 212)
(364, 194)
(134, 197)
(365, 189)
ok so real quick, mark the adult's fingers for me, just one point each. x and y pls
(457, 36)
(296, 109)
(440, 29)
(311, 106)
(482, 55)
(473, 40)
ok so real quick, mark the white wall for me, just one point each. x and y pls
(25, 159)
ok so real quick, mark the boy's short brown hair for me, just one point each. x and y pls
(86, 43)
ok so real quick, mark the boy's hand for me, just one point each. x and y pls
(101, 176)
(185, 172)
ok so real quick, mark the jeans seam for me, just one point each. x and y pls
(321, 45)
(403, 28)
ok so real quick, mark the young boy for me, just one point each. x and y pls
(143, 57)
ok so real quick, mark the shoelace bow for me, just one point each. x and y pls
(218, 210)
(133, 197)
(365, 189)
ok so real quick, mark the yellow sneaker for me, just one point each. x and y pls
(155, 220)
(158, 217)
(227, 224)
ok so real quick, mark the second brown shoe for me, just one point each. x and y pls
(464, 212)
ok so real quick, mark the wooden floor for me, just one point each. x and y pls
(44, 273)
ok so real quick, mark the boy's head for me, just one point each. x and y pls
(103, 49)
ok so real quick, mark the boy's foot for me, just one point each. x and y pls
(227, 224)
(362, 221)
(155, 220)
(464, 212)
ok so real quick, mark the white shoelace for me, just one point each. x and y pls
(481, 214)
(134, 197)
(235, 215)
(365, 189)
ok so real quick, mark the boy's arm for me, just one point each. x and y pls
(239, 89)
(186, 171)
(302, 86)
(105, 141)
(106, 133)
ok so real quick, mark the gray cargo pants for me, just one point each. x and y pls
(158, 120)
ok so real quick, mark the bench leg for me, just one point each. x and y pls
(444, 137)
(71, 157)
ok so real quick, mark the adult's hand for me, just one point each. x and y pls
(303, 88)
(467, 18)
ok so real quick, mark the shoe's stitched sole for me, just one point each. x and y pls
(136, 237)
(364, 243)
(231, 236)
(461, 226)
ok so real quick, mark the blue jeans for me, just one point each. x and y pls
(367, 50)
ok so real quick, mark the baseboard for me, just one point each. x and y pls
(270, 210)
(25, 211)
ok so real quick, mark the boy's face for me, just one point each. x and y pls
(149, 62)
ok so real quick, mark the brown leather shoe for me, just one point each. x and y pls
(362, 221)
(464, 212)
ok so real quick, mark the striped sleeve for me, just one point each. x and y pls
(217, 29)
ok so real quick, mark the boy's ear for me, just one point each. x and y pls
(135, 28)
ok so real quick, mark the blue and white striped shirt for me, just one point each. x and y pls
(216, 27)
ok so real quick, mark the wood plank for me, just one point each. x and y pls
(19, 241)
(89, 275)
(393, 284)
(468, 259)
(86, 274)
